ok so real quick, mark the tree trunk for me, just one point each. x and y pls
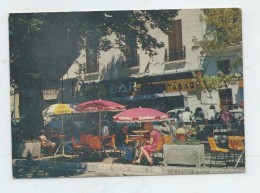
(30, 107)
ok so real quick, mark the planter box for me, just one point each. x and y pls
(184, 154)
(23, 149)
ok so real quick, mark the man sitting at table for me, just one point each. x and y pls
(121, 144)
(70, 132)
(150, 146)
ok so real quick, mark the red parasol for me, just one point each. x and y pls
(140, 115)
(100, 105)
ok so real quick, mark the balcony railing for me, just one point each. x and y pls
(92, 68)
(175, 55)
(129, 62)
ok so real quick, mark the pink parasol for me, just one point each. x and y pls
(100, 105)
(140, 115)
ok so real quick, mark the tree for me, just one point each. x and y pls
(223, 30)
(44, 45)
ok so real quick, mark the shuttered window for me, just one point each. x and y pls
(176, 49)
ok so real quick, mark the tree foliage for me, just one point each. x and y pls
(44, 45)
(214, 83)
(223, 30)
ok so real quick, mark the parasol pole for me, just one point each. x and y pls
(62, 133)
(99, 123)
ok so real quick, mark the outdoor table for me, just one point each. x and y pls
(61, 145)
(102, 138)
(140, 132)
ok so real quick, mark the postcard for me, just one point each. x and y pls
(127, 93)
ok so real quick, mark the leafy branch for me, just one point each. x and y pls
(214, 83)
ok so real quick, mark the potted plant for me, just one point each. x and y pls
(184, 153)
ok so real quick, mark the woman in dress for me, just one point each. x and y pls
(151, 144)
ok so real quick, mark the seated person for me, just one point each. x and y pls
(164, 128)
(121, 143)
(172, 126)
(181, 133)
(45, 142)
(71, 132)
(104, 131)
(151, 144)
(104, 128)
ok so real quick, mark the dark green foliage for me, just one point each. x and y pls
(44, 45)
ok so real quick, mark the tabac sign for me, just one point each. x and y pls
(182, 85)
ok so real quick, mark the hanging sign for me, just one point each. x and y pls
(50, 94)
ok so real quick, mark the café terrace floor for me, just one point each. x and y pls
(68, 166)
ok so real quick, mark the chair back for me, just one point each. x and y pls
(94, 143)
(87, 137)
(82, 140)
(112, 142)
(167, 139)
(181, 137)
(236, 143)
(160, 144)
(212, 144)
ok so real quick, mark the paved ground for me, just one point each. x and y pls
(69, 166)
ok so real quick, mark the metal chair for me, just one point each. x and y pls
(236, 144)
(95, 146)
(159, 148)
(167, 139)
(77, 148)
(214, 149)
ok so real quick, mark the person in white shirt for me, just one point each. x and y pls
(105, 132)
(164, 128)
(104, 129)
(186, 116)
(211, 115)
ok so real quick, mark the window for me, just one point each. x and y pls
(224, 66)
(176, 49)
(131, 56)
(225, 96)
(91, 60)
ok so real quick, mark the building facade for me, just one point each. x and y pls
(164, 81)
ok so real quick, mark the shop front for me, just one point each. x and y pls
(162, 92)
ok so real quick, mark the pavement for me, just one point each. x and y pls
(68, 166)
